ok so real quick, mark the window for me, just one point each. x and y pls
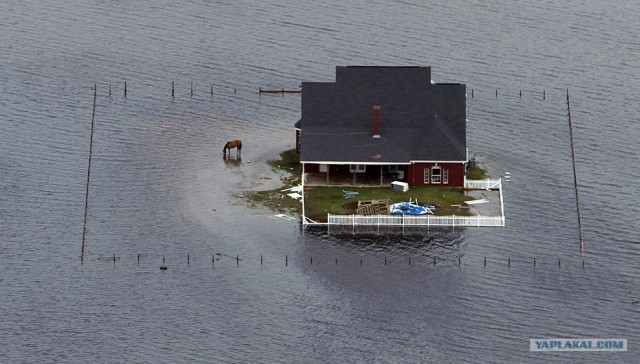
(445, 176)
(357, 168)
(435, 174)
(426, 176)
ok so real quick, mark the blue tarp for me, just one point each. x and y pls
(408, 208)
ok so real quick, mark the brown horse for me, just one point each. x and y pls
(232, 144)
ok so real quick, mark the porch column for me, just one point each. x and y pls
(381, 176)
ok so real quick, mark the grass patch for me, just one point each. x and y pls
(322, 200)
(277, 200)
(477, 173)
(289, 161)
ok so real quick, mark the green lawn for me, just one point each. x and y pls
(322, 200)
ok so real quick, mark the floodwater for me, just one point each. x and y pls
(159, 187)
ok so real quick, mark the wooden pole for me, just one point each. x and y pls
(86, 194)
(575, 178)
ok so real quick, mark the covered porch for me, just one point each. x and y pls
(353, 175)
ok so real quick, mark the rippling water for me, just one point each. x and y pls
(159, 187)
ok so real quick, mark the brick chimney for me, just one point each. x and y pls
(377, 122)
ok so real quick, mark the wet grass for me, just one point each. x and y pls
(319, 201)
(477, 173)
(322, 200)
(277, 200)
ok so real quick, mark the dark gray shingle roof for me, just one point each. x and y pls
(420, 121)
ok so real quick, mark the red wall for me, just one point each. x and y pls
(456, 174)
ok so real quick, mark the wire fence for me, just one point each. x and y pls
(225, 260)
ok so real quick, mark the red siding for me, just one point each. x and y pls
(456, 173)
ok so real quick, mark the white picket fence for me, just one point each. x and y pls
(483, 184)
(413, 220)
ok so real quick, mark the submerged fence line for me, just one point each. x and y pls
(193, 88)
(412, 260)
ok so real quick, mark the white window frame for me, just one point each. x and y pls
(445, 176)
(436, 178)
(358, 168)
(426, 176)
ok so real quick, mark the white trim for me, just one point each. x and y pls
(379, 163)
(439, 175)
(450, 162)
(364, 163)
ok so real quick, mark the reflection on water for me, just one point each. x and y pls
(232, 161)
(444, 243)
